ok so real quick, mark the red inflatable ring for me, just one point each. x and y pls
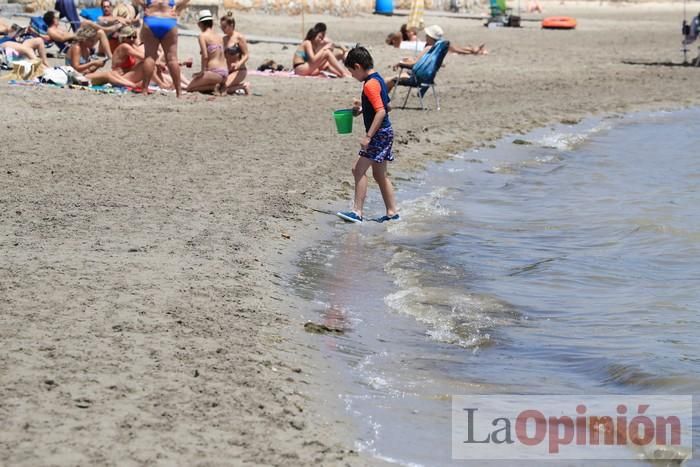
(559, 22)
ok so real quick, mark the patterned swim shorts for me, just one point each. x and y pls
(379, 147)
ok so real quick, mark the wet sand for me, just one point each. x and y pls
(147, 241)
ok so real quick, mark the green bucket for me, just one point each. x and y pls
(343, 121)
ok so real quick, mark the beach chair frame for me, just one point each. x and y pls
(422, 87)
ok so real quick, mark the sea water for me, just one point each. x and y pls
(564, 265)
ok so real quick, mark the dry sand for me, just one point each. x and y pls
(146, 241)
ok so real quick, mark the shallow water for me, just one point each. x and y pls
(565, 266)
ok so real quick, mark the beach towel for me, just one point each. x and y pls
(93, 14)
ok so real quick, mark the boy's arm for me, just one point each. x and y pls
(356, 107)
(376, 124)
(374, 94)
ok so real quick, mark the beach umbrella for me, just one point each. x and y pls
(415, 18)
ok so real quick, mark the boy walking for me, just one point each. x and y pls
(375, 146)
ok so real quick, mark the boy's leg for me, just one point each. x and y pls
(359, 171)
(379, 172)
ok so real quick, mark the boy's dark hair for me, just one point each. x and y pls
(209, 23)
(48, 17)
(360, 56)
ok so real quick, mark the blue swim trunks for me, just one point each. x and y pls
(379, 147)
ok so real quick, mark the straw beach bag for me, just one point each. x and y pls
(25, 70)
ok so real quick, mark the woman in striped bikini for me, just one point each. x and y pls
(214, 70)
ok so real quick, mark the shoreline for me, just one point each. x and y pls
(215, 212)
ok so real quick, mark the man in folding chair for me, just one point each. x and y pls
(419, 72)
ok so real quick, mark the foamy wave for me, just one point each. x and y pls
(428, 205)
(563, 141)
(423, 210)
(451, 316)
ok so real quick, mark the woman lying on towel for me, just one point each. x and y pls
(314, 56)
(81, 57)
(30, 48)
(408, 39)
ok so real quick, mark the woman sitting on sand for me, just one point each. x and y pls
(30, 48)
(128, 58)
(80, 57)
(211, 47)
(236, 53)
(339, 51)
(313, 57)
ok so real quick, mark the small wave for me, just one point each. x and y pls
(563, 141)
(631, 375)
(451, 316)
(512, 168)
(648, 226)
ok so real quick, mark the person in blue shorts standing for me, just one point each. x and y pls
(375, 146)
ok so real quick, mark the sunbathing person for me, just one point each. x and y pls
(109, 18)
(398, 40)
(160, 30)
(408, 34)
(11, 33)
(313, 57)
(61, 37)
(113, 22)
(432, 35)
(128, 60)
(236, 53)
(338, 50)
(394, 39)
(30, 48)
(80, 57)
(211, 47)
(5, 28)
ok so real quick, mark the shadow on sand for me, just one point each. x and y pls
(669, 64)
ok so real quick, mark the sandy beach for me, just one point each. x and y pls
(147, 242)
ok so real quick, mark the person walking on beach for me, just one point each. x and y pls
(375, 146)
